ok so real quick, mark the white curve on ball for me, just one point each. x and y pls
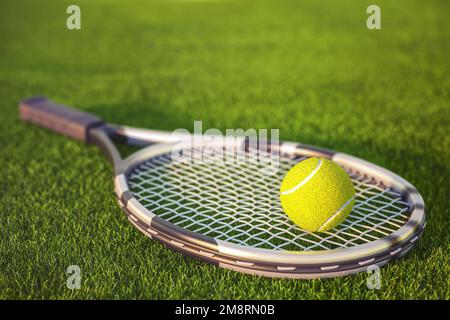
(336, 214)
(302, 183)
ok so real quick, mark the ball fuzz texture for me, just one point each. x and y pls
(317, 194)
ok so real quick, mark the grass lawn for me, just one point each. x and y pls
(310, 68)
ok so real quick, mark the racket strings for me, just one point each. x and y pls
(238, 202)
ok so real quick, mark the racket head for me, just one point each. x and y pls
(231, 216)
(214, 211)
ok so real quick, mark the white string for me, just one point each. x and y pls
(238, 203)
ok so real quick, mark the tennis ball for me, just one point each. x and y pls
(317, 194)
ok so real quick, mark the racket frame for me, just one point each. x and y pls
(246, 259)
(297, 264)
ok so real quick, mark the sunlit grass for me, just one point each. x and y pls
(309, 68)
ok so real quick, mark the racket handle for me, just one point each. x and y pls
(61, 119)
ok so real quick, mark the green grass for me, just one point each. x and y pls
(310, 68)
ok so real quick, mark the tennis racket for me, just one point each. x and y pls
(229, 214)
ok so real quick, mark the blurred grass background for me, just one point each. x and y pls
(310, 68)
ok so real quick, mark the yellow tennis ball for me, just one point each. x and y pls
(317, 194)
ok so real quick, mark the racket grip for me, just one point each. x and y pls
(61, 119)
